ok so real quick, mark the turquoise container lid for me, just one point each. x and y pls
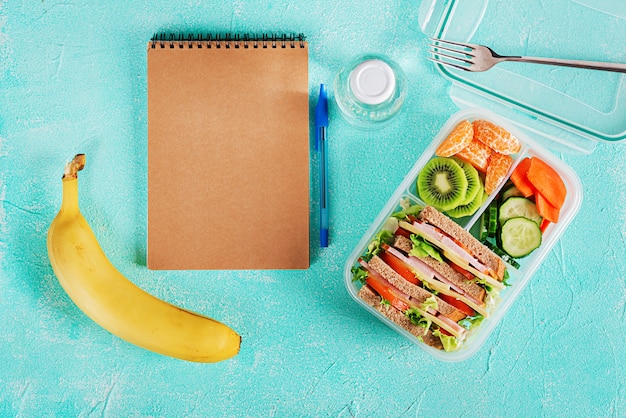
(563, 108)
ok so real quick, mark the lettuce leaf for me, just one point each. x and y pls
(417, 319)
(430, 302)
(427, 286)
(471, 322)
(491, 291)
(450, 343)
(484, 283)
(422, 248)
(411, 210)
(383, 237)
(505, 279)
(359, 274)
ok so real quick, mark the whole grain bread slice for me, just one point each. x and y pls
(403, 243)
(481, 252)
(374, 300)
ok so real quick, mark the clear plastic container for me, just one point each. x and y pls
(560, 108)
(564, 108)
(520, 277)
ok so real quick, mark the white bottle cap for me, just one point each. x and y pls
(372, 81)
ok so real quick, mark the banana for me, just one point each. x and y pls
(114, 302)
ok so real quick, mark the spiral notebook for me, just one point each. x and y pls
(228, 153)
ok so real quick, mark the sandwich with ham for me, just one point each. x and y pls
(431, 277)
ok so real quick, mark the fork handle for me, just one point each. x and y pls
(591, 65)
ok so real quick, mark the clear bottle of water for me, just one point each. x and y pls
(370, 90)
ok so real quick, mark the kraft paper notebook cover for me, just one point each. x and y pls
(228, 153)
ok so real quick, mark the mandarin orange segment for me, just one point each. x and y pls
(496, 137)
(477, 154)
(458, 139)
(499, 165)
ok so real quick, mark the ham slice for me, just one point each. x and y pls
(447, 243)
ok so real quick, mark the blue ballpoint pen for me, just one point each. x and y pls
(321, 125)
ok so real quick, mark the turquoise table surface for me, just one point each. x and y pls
(73, 79)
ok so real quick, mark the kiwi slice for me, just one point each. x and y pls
(485, 197)
(470, 208)
(442, 184)
(474, 184)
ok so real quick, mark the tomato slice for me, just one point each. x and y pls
(465, 273)
(400, 267)
(461, 306)
(386, 291)
(444, 332)
(403, 232)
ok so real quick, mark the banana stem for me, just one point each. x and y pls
(69, 203)
(73, 167)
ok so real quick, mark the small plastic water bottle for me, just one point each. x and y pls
(370, 90)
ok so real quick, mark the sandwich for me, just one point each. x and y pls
(430, 276)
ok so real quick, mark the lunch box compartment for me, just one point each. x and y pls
(406, 194)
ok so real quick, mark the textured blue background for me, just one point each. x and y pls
(73, 78)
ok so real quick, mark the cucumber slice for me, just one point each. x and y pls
(510, 191)
(516, 206)
(520, 236)
(482, 231)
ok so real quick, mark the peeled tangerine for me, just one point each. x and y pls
(499, 165)
(459, 138)
(477, 154)
(496, 137)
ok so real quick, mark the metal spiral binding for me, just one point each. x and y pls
(163, 40)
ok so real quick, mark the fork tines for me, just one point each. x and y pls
(450, 53)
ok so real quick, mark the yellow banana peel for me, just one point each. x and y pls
(118, 305)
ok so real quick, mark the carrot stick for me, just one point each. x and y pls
(547, 182)
(545, 209)
(519, 177)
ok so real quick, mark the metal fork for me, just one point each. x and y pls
(475, 58)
